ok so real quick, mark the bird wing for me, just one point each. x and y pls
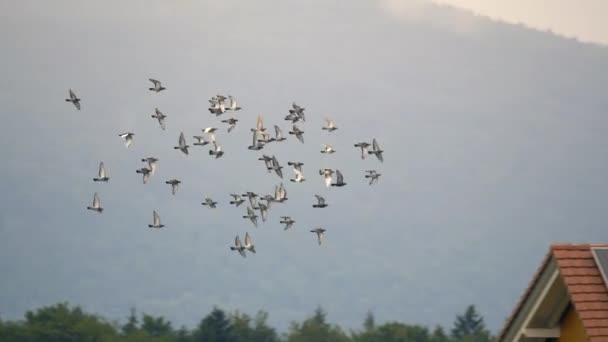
(259, 124)
(375, 145)
(182, 140)
(320, 199)
(146, 176)
(72, 95)
(320, 235)
(248, 241)
(237, 241)
(96, 201)
(278, 132)
(152, 165)
(155, 218)
(128, 140)
(339, 177)
(156, 82)
(102, 170)
(328, 179)
(380, 157)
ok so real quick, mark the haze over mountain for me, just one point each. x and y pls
(495, 140)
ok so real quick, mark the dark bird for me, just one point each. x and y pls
(151, 164)
(277, 167)
(278, 134)
(157, 86)
(339, 179)
(320, 234)
(320, 202)
(251, 216)
(155, 221)
(376, 150)
(216, 151)
(145, 173)
(182, 144)
(373, 176)
(231, 123)
(287, 221)
(298, 133)
(237, 200)
(210, 203)
(238, 247)
(74, 99)
(160, 117)
(363, 146)
(174, 185)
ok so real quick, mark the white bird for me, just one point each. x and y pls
(278, 134)
(328, 149)
(96, 204)
(216, 151)
(299, 178)
(320, 234)
(237, 200)
(373, 176)
(287, 221)
(151, 164)
(201, 140)
(157, 85)
(330, 126)
(251, 216)
(128, 136)
(155, 221)
(101, 174)
(146, 174)
(376, 150)
(233, 106)
(210, 131)
(231, 123)
(339, 179)
(363, 145)
(174, 185)
(160, 117)
(280, 194)
(249, 243)
(298, 133)
(182, 144)
(209, 202)
(238, 247)
(74, 99)
(327, 175)
(320, 202)
(259, 125)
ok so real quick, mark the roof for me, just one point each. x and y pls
(587, 291)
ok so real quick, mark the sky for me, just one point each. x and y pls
(494, 140)
(584, 19)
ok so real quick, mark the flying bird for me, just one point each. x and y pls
(328, 149)
(209, 202)
(299, 178)
(160, 117)
(327, 176)
(216, 151)
(233, 106)
(238, 247)
(151, 164)
(339, 179)
(292, 117)
(96, 204)
(145, 173)
(256, 145)
(101, 174)
(174, 185)
(267, 162)
(259, 125)
(249, 243)
(128, 136)
(330, 126)
(74, 99)
(297, 110)
(320, 234)
(182, 144)
(373, 176)
(320, 202)
(263, 210)
(277, 167)
(287, 221)
(251, 216)
(252, 199)
(280, 194)
(201, 140)
(298, 133)
(363, 146)
(155, 221)
(237, 200)
(376, 150)
(157, 86)
(231, 123)
(210, 131)
(278, 134)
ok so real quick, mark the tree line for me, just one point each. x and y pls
(63, 322)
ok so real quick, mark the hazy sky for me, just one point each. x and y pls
(494, 137)
(584, 19)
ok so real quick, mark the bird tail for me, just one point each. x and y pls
(315, 206)
(211, 153)
(68, 100)
(233, 248)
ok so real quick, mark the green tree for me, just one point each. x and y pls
(262, 332)
(370, 322)
(439, 335)
(132, 324)
(215, 327)
(156, 326)
(470, 327)
(316, 329)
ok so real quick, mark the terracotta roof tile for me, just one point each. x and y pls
(586, 288)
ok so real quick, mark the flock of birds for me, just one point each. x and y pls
(261, 136)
